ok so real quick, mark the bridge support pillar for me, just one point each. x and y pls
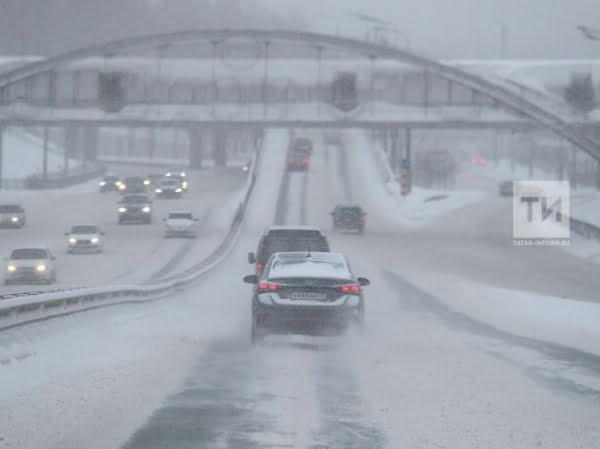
(90, 143)
(1, 154)
(406, 177)
(45, 154)
(219, 146)
(573, 167)
(197, 148)
(72, 146)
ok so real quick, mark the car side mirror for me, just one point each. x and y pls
(251, 258)
(102, 233)
(66, 233)
(251, 279)
(363, 282)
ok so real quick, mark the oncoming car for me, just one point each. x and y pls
(181, 224)
(110, 183)
(168, 188)
(135, 208)
(84, 238)
(31, 264)
(287, 238)
(12, 215)
(132, 184)
(306, 293)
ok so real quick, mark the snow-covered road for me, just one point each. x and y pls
(440, 364)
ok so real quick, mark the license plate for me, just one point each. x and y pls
(308, 295)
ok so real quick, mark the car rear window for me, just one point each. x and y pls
(308, 268)
(280, 245)
(29, 253)
(10, 209)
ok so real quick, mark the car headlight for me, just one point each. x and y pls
(95, 240)
(41, 268)
(182, 174)
(72, 240)
(122, 186)
(184, 185)
(102, 183)
(245, 168)
(265, 299)
(146, 209)
(122, 209)
(146, 182)
(14, 219)
(11, 268)
(158, 190)
(178, 190)
(352, 301)
(168, 174)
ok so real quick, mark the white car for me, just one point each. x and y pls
(84, 238)
(181, 224)
(31, 264)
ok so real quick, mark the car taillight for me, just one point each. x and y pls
(305, 161)
(349, 289)
(259, 267)
(267, 287)
(337, 218)
(290, 160)
(362, 218)
(482, 160)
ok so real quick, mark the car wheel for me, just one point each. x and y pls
(257, 335)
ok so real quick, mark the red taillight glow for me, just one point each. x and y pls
(267, 287)
(349, 289)
(259, 267)
(362, 218)
(290, 160)
(305, 161)
(482, 160)
(473, 160)
(336, 218)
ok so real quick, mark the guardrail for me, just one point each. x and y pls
(55, 180)
(29, 307)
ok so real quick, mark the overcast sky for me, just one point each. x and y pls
(466, 28)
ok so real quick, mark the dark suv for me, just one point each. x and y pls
(135, 208)
(349, 217)
(132, 184)
(276, 239)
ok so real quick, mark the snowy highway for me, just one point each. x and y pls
(450, 357)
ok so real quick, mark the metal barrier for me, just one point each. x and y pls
(29, 307)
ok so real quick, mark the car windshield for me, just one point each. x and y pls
(180, 216)
(135, 199)
(84, 229)
(438, 159)
(10, 208)
(29, 253)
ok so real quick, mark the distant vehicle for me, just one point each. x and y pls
(132, 184)
(287, 238)
(135, 208)
(344, 91)
(181, 224)
(478, 160)
(302, 145)
(30, 264)
(85, 238)
(12, 215)
(349, 217)
(179, 173)
(505, 188)
(246, 167)
(168, 188)
(306, 293)
(110, 183)
(153, 179)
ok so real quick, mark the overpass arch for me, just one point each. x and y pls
(502, 93)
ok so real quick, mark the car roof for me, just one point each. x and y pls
(304, 264)
(44, 247)
(11, 204)
(291, 228)
(84, 224)
(180, 212)
(348, 206)
(136, 196)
